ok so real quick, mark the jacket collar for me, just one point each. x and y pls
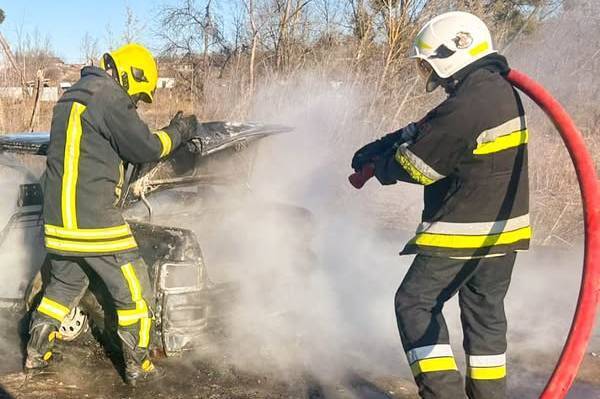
(99, 72)
(93, 70)
(493, 62)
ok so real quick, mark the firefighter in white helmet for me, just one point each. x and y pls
(470, 153)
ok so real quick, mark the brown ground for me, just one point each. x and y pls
(85, 372)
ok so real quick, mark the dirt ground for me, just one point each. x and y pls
(86, 372)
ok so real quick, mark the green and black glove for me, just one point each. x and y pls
(186, 126)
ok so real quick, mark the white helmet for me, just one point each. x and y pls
(451, 41)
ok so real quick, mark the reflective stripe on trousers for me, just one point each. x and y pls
(431, 358)
(486, 367)
(128, 317)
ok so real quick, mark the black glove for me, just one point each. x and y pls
(367, 154)
(372, 151)
(186, 126)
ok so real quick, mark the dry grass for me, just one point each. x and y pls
(389, 96)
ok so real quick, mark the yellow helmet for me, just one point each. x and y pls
(135, 69)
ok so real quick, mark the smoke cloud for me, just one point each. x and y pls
(329, 309)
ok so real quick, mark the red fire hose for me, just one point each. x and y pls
(583, 322)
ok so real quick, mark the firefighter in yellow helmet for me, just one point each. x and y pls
(96, 131)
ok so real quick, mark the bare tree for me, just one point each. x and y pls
(191, 32)
(89, 49)
(132, 28)
(109, 38)
(33, 53)
(11, 58)
(255, 37)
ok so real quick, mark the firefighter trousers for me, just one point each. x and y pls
(124, 275)
(482, 285)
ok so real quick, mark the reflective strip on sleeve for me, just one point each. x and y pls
(88, 234)
(71, 166)
(416, 167)
(503, 143)
(486, 367)
(477, 228)
(507, 135)
(514, 125)
(90, 247)
(472, 241)
(165, 141)
(119, 186)
(53, 309)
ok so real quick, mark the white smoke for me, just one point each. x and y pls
(333, 314)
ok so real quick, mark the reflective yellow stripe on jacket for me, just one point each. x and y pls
(102, 240)
(473, 235)
(418, 169)
(88, 234)
(90, 247)
(510, 134)
(71, 166)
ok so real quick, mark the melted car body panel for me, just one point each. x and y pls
(183, 293)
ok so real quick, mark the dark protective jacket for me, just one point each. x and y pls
(95, 129)
(470, 153)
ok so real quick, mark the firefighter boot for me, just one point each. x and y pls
(39, 347)
(139, 369)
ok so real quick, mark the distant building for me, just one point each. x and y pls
(48, 94)
(165, 83)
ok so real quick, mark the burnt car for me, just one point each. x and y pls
(169, 204)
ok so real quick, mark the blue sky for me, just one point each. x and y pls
(65, 22)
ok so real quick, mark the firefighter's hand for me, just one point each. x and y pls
(186, 126)
(367, 154)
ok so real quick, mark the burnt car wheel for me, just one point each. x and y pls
(77, 322)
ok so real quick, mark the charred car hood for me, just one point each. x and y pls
(210, 137)
(215, 155)
(25, 143)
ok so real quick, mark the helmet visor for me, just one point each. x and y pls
(424, 68)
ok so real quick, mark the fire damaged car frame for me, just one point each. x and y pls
(183, 295)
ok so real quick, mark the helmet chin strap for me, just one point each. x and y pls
(434, 81)
(110, 67)
(136, 99)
